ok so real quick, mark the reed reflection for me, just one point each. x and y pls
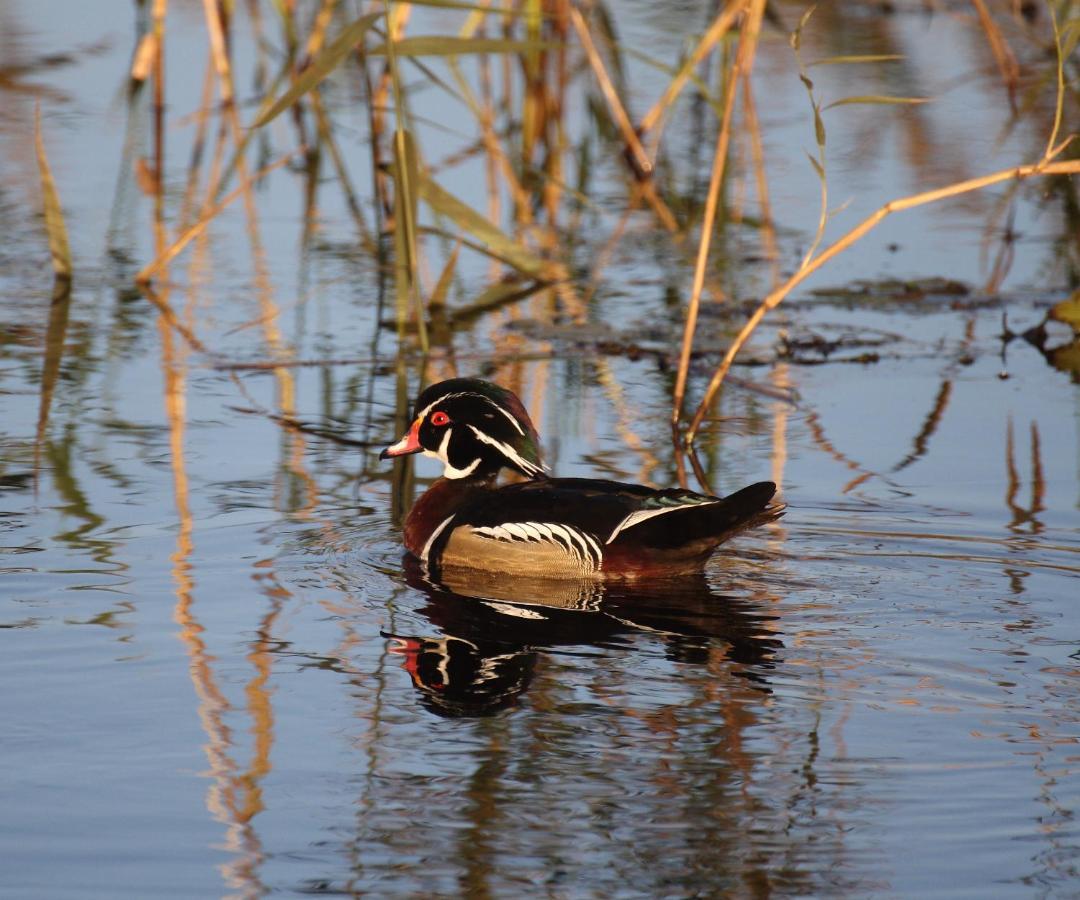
(491, 631)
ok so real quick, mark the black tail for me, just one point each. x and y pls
(713, 523)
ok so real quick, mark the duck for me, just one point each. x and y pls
(539, 526)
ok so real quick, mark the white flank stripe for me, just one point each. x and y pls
(574, 542)
(431, 540)
(598, 554)
(531, 529)
(517, 531)
(579, 545)
(636, 518)
(497, 533)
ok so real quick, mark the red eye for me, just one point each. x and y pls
(438, 419)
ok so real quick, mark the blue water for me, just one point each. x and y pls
(220, 678)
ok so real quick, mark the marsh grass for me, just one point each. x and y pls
(60, 305)
(516, 68)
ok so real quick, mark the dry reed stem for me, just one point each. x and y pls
(552, 189)
(169, 317)
(148, 271)
(533, 105)
(219, 53)
(322, 21)
(198, 147)
(646, 190)
(642, 164)
(1067, 167)
(1003, 55)
(757, 149)
(145, 53)
(781, 380)
(708, 40)
(376, 105)
(160, 9)
(485, 117)
(218, 50)
(741, 68)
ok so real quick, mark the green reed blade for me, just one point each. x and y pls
(496, 242)
(54, 215)
(442, 286)
(430, 45)
(879, 99)
(856, 59)
(1068, 311)
(406, 170)
(321, 66)
(470, 7)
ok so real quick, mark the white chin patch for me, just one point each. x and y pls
(449, 469)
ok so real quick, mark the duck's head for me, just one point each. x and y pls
(475, 427)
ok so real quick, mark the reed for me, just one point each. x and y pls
(60, 302)
(753, 10)
(515, 69)
(772, 300)
(55, 228)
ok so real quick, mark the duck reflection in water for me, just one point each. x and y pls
(491, 629)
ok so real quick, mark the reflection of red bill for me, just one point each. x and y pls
(408, 444)
(403, 646)
(410, 648)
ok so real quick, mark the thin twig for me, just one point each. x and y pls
(1067, 167)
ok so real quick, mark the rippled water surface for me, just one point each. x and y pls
(219, 677)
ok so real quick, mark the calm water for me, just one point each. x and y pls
(220, 679)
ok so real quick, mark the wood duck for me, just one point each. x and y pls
(546, 527)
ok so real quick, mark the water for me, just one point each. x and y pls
(220, 678)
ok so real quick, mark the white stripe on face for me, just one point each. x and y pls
(529, 468)
(513, 421)
(449, 469)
